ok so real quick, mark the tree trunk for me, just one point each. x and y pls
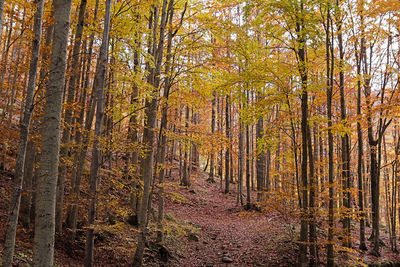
(360, 159)
(1, 17)
(186, 162)
(163, 126)
(248, 188)
(5, 52)
(68, 119)
(260, 163)
(12, 221)
(80, 155)
(345, 166)
(277, 157)
(98, 86)
(329, 71)
(227, 152)
(312, 224)
(302, 67)
(220, 130)
(26, 199)
(211, 174)
(146, 164)
(43, 249)
(240, 163)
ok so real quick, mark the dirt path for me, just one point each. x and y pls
(227, 235)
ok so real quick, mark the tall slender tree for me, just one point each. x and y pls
(68, 118)
(43, 249)
(98, 87)
(12, 221)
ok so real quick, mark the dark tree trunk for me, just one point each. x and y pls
(329, 71)
(312, 224)
(345, 164)
(98, 86)
(211, 173)
(302, 68)
(360, 158)
(227, 152)
(146, 165)
(248, 196)
(260, 163)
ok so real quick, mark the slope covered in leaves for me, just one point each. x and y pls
(204, 227)
(225, 233)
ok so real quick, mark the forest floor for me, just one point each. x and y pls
(204, 227)
(226, 233)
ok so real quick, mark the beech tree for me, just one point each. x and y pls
(48, 165)
(12, 222)
(98, 86)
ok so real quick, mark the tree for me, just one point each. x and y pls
(329, 93)
(302, 68)
(260, 163)
(66, 135)
(146, 165)
(43, 249)
(12, 222)
(345, 139)
(95, 165)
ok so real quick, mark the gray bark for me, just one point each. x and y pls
(43, 249)
(12, 222)
(66, 136)
(27, 186)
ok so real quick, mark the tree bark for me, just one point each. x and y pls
(260, 163)
(213, 102)
(360, 159)
(345, 142)
(1, 17)
(68, 119)
(27, 186)
(43, 249)
(163, 126)
(79, 157)
(302, 67)
(227, 152)
(146, 164)
(248, 188)
(329, 71)
(240, 162)
(312, 224)
(12, 221)
(98, 85)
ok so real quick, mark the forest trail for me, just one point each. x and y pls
(227, 235)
